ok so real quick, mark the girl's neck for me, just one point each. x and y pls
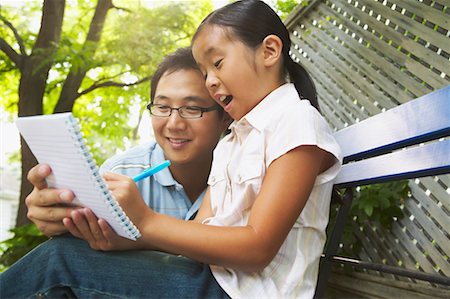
(192, 176)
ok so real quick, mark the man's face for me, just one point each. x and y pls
(186, 140)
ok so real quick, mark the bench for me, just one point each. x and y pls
(405, 142)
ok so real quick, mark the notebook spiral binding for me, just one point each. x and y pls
(114, 207)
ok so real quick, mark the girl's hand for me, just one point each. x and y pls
(126, 192)
(85, 225)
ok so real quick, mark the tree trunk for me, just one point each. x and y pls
(34, 72)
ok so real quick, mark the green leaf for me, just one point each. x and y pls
(368, 210)
(25, 239)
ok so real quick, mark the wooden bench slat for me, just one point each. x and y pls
(394, 128)
(429, 159)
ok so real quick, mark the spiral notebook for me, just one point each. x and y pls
(56, 140)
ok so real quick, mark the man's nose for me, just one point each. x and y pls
(175, 121)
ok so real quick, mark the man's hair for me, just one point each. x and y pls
(181, 59)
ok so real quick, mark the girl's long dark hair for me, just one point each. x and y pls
(251, 21)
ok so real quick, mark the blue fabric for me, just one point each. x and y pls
(161, 192)
(66, 267)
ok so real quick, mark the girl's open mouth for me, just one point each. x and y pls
(226, 99)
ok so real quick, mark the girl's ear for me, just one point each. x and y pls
(272, 47)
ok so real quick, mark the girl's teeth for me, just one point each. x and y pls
(226, 99)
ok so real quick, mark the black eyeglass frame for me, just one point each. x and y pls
(201, 109)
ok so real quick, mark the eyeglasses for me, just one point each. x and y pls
(188, 112)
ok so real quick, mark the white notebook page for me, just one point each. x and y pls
(56, 140)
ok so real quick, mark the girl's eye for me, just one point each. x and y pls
(217, 63)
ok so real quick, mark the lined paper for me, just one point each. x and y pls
(56, 140)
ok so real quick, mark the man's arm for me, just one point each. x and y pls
(47, 207)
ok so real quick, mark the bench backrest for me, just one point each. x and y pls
(389, 145)
(408, 141)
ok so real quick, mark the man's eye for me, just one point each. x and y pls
(162, 107)
(192, 109)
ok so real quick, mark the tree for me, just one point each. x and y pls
(83, 56)
(285, 7)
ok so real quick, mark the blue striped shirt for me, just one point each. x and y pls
(160, 192)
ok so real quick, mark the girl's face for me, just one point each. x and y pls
(233, 72)
(186, 141)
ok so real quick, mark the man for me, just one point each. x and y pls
(187, 142)
(187, 124)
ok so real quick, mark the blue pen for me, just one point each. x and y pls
(151, 171)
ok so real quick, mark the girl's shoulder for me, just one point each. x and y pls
(300, 124)
(297, 113)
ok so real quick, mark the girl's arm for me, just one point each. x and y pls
(285, 190)
(205, 209)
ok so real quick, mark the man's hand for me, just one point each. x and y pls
(85, 225)
(47, 207)
(97, 232)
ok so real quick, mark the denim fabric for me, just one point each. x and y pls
(66, 267)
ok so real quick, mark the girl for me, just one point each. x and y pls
(261, 226)
(272, 177)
